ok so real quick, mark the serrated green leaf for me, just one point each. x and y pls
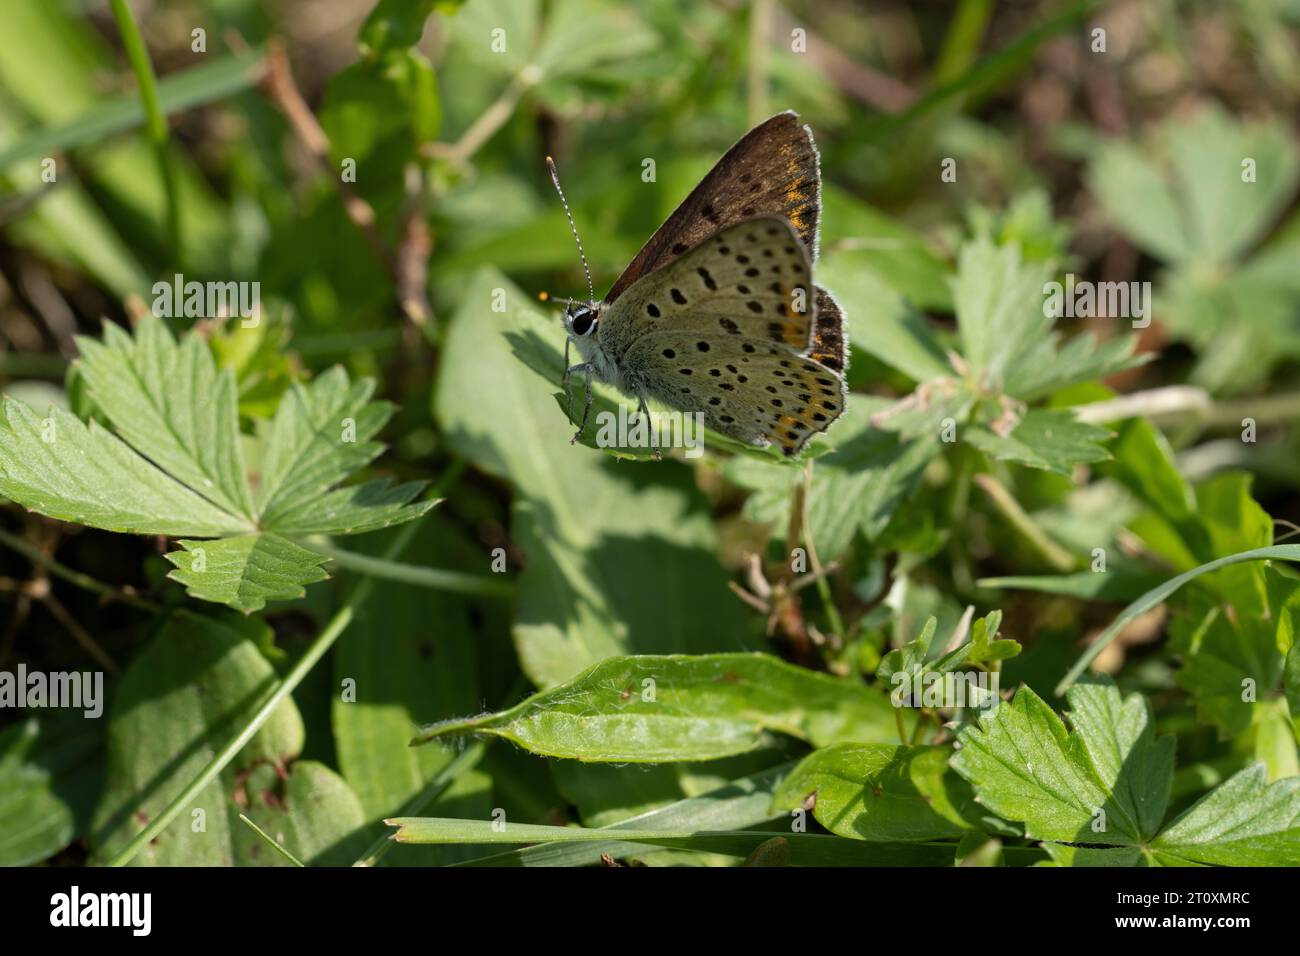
(246, 571)
(1065, 855)
(180, 470)
(1006, 328)
(660, 709)
(880, 792)
(1049, 368)
(1000, 312)
(1182, 195)
(1048, 439)
(171, 404)
(1244, 822)
(1105, 783)
(321, 433)
(59, 467)
(856, 487)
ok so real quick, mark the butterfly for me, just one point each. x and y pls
(718, 313)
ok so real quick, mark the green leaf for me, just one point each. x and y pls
(404, 674)
(865, 240)
(1275, 743)
(1006, 328)
(321, 433)
(64, 469)
(606, 543)
(247, 571)
(1050, 440)
(916, 659)
(1223, 648)
(175, 706)
(471, 33)
(880, 793)
(1065, 855)
(259, 358)
(1107, 782)
(581, 36)
(394, 25)
(1144, 463)
(180, 470)
(50, 770)
(881, 320)
(651, 709)
(1244, 822)
(856, 487)
(1000, 310)
(1182, 195)
(1291, 681)
(170, 404)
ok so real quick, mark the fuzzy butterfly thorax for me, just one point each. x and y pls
(718, 313)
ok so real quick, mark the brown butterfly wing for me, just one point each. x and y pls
(772, 171)
(829, 344)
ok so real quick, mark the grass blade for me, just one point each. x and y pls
(1284, 552)
(176, 93)
(156, 122)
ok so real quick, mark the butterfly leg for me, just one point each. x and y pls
(568, 384)
(586, 369)
(642, 409)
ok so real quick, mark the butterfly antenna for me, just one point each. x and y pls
(555, 178)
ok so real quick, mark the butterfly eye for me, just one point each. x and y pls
(583, 322)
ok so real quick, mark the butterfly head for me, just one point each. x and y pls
(581, 319)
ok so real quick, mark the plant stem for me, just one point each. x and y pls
(465, 761)
(1264, 409)
(274, 845)
(435, 578)
(489, 121)
(823, 586)
(324, 641)
(61, 570)
(1058, 557)
(156, 121)
(1192, 404)
(760, 21)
